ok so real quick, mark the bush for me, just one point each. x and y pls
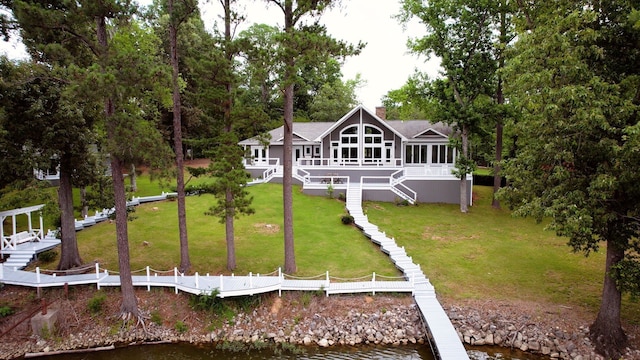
(181, 327)
(342, 196)
(347, 219)
(95, 303)
(48, 256)
(5, 311)
(156, 318)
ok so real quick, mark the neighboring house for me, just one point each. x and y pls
(390, 160)
(52, 173)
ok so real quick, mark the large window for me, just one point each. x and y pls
(441, 154)
(428, 154)
(416, 154)
(372, 144)
(349, 144)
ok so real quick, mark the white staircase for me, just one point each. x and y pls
(444, 334)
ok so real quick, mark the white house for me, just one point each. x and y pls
(390, 159)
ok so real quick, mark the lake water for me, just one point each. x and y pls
(191, 352)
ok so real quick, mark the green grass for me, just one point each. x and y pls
(322, 241)
(488, 254)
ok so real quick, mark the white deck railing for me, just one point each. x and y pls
(225, 286)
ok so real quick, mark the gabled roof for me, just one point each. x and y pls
(313, 132)
(302, 131)
(421, 129)
(351, 113)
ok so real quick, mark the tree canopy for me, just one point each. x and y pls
(574, 76)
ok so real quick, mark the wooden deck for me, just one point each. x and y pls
(446, 339)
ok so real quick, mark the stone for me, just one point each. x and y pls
(44, 324)
(323, 343)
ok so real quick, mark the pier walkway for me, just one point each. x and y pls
(445, 337)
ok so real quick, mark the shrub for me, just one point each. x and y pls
(347, 219)
(342, 196)
(48, 256)
(181, 327)
(155, 317)
(95, 303)
(5, 311)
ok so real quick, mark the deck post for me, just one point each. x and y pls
(373, 283)
(98, 271)
(280, 277)
(328, 282)
(221, 287)
(250, 280)
(197, 281)
(41, 237)
(38, 274)
(148, 280)
(175, 277)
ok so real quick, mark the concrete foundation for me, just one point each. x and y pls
(44, 324)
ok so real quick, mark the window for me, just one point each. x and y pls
(416, 154)
(442, 154)
(373, 144)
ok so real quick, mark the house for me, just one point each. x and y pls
(389, 160)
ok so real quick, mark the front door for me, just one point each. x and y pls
(297, 153)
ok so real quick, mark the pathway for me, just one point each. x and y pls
(445, 337)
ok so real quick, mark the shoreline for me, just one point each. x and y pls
(306, 319)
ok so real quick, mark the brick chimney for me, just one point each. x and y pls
(381, 112)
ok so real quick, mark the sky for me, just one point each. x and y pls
(384, 64)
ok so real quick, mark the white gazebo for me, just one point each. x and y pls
(10, 241)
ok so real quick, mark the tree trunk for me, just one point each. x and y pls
(129, 303)
(229, 232)
(606, 332)
(287, 183)
(464, 199)
(497, 178)
(129, 307)
(133, 179)
(185, 262)
(69, 255)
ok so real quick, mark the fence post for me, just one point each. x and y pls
(175, 277)
(197, 281)
(250, 280)
(38, 274)
(280, 277)
(221, 287)
(328, 282)
(373, 283)
(97, 271)
(148, 280)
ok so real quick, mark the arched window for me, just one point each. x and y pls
(349, 144)
(373, 144)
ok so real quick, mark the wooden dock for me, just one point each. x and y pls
(445, 338)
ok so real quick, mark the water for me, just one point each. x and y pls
(191, 352)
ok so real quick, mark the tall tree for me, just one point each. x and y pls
(69, 128)
(334, 99)
(231, 177)
(460, 32)
(179, 11)
(504, 14)
(576, 80)
(300, 42)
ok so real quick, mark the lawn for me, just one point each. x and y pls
(322, 241)
(488, 254)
